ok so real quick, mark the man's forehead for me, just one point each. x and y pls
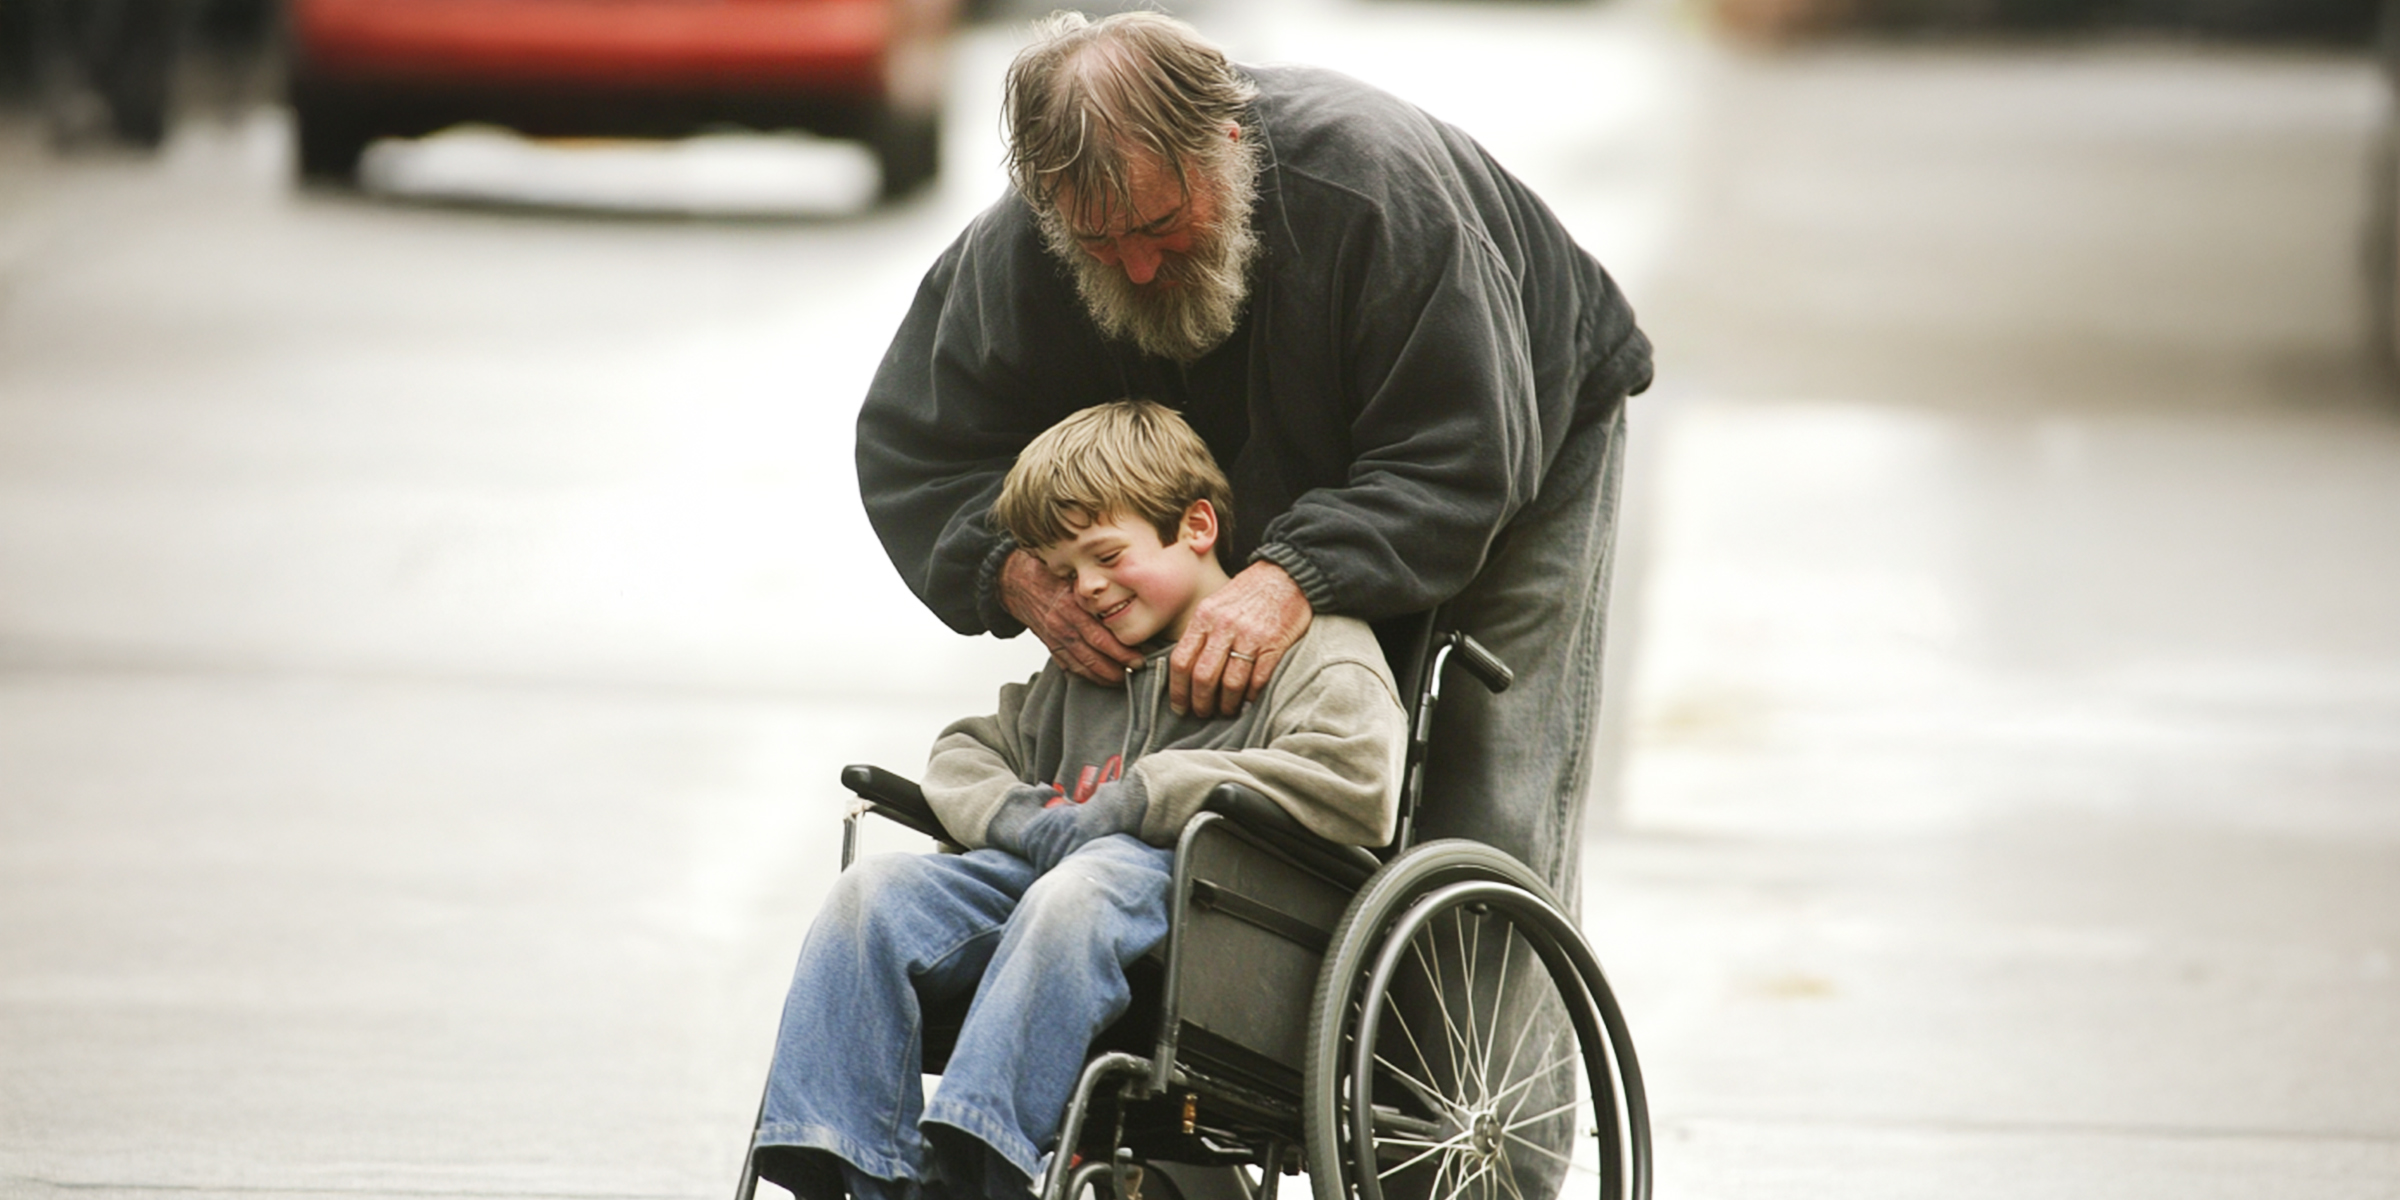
(1151, 194)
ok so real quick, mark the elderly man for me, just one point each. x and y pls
(1415, 379)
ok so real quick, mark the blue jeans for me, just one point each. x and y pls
(1043, 958)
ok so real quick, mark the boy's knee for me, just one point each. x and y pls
(875, 891)
(1098, 887)
(867, 879)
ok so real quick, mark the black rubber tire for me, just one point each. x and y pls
(1462, 882)
(2379, 241)
(331, 134)
(908, 149)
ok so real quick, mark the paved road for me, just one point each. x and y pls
(427, 629)
(2013, 800)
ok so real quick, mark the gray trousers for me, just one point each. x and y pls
(1514, 769)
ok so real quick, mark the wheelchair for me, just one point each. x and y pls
(1420, 1022)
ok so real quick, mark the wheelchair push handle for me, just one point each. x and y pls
(1484, 665)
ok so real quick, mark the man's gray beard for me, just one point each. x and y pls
(1180, 323)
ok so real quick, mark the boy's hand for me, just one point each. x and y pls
(1046, 604)
(1233, 641)
(1020, 807)
(1062, 829)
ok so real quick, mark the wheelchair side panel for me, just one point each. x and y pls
(1254, 932)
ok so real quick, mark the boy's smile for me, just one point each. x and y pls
(1134, 583)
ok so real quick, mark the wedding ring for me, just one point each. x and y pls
(1244, 657)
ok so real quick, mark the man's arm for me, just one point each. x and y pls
(1469, 329)
(991, 352)
(1447, 446)
(1446, 441)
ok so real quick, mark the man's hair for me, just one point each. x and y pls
(1128, 458)
(1088, 94)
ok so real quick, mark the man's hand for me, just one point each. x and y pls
(1233, 641)
(1076, 639)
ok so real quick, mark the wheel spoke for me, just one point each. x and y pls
(1524, 1030)
(1448, 1143)
(1506, 1171)
(1443, 1174)
(1441, 1005)
(1542, 1150)
(1469, 1180)
(1508, 945)
(1430, 1092)
(1550, 1068)
(1424, 1091)
(1443, 1177)
(1466, 983)
(1539, 1117)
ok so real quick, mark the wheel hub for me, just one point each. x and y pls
(1484, 1134)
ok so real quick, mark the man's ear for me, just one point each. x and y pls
(1199, 527)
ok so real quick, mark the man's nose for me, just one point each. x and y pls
(1138, 257)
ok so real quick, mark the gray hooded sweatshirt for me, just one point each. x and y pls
(1325, 742)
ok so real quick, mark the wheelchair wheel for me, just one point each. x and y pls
(1464, 1044)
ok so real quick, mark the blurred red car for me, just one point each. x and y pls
(865, 69)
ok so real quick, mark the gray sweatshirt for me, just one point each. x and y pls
(1325, 742)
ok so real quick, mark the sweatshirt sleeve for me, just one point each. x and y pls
(989, 354)
(1332, 758)
(973, 765)
(1445, 436)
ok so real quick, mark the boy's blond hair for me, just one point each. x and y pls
(1127, 458)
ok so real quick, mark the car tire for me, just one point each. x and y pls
(908, 149)
(2379, 243)
(2380, 252)
(332, 135)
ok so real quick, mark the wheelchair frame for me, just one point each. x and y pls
(1339, 947)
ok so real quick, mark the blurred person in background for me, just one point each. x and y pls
(107, 67)
(1415, 378)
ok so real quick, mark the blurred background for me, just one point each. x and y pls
(434, 602)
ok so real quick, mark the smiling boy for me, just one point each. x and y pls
(1067, 800)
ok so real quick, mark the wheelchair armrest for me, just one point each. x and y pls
(895, 798)
(1258, 814)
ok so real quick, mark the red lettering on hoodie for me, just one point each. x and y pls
(1089, 780)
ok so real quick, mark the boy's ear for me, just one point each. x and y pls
(1199, 527)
